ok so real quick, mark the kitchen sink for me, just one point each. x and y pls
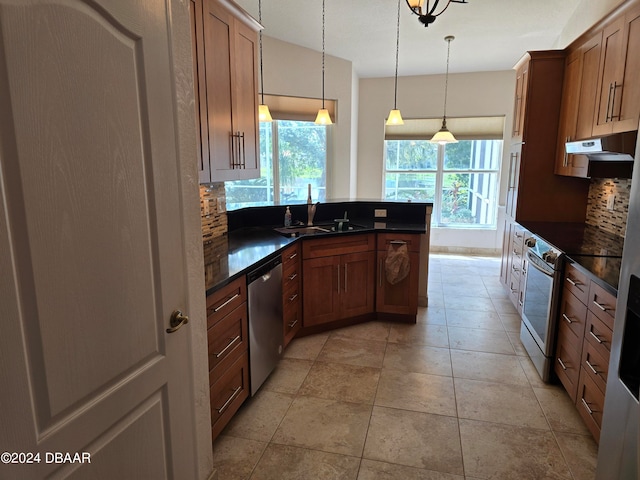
(298, 230)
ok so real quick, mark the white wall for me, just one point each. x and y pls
(297, 71)
(587, 14)
(470, 94)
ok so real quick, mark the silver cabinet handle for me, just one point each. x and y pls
(231, 399)
(608, 117)
(293, 324)
(515, 268)
(380, 273)
(220, 307)
(293, 256)
(564, 315)
(564, 367)
(592, 367)
(601, 307)
(586, 405)
(292, 276)
(613, 102)
(397, 242)
(338, 278)
(572, 282)
(293, 297)
(233, 340)
(595, 336)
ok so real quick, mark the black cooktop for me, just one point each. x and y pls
(578, 238)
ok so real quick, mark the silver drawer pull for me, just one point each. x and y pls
(515, 268)
(293, 256)
(220, 307)
(233, 340)
(595, 336)
(231, 399)
(293, 324)
(601, 307)
(592, 368)
(564, 367)
(586, 405)
(293, 297)
(397, 242)
(564, 315)
(572, 282)
(292, 276)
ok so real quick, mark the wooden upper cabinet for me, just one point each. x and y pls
(618, 100)
(226, 59)
(522, 76)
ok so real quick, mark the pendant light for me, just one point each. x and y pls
(395, 118)
(427, 15)
(264, 115)
(323, 117)
(444, 136)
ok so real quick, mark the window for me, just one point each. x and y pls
(300, 150)
(461, 179)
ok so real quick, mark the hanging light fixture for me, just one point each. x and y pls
(264, 115)
(323, 117)
(444, 135)
(395, 118)
(428, 15)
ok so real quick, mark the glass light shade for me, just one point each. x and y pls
(416, 3)
(395, 118)
(323, 117)
(443, 136)
(264, 115)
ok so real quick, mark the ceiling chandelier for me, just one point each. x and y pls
(428, 14)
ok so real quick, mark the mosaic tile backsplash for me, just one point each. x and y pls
(214, 222)
(598, 215)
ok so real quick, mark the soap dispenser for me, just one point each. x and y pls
(287, 217)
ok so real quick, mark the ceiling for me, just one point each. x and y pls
(490, 34)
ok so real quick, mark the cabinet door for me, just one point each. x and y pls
(590, 63)
(401, 298)
(569, 110)
(199, 87)
(356, 285)
(629, 110)
(610, 79)
(522, 75)
(321, 278)
(218, 39)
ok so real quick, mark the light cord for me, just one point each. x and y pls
(395, 94)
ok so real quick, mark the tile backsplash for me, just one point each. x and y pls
(214, 220)
(613, 221)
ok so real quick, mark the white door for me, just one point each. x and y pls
(92, 254)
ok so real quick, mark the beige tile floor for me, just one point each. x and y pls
(452, 397)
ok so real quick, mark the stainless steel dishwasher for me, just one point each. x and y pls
(266, 333)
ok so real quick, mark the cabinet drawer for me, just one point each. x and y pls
(338, 245)
(291, 275)
(598, 335)
(228, 393)
(602, 304)
(290, 255)
(595, 365)
(567, 364)
(227, 340)
(577, 283)
(590, 403)
(518, 238)
(292, 322)
(573, 314)
(291, 296)
(224, 301)
(411, 240)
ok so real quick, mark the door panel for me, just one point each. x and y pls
(91, 244)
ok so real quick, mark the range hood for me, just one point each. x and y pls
(618, 147)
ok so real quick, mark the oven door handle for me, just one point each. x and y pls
(533, 264)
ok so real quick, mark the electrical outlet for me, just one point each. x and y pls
(380, 213)
(611, 202)
(222, 206)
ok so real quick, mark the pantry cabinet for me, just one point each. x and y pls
(224, 43)
(337, 278)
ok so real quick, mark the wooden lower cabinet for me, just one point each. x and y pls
(401, 297)
(228, 345)
(337, 287)
(585, 321)
(291, 291)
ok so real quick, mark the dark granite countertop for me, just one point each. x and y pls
(243, 249)
(597, 252)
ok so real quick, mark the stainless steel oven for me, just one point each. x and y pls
(542, 270)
